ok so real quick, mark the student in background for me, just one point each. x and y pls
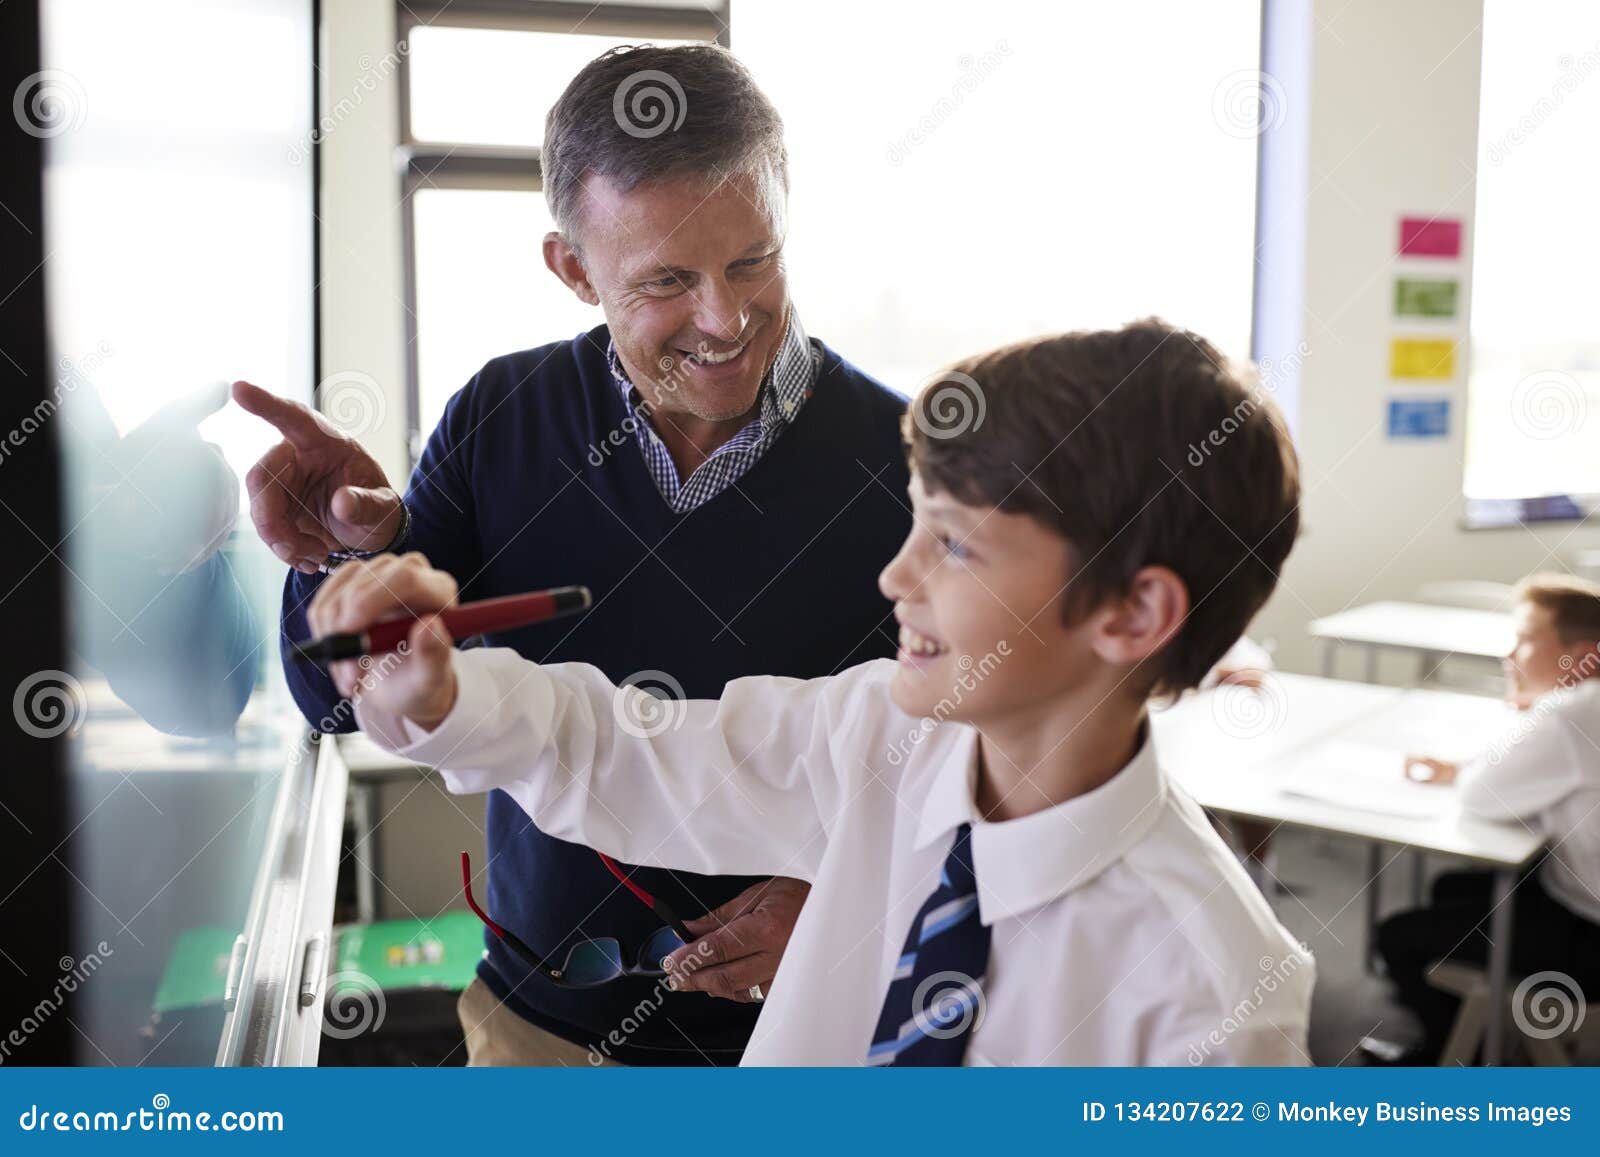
(1545, 774)
(1001, 871)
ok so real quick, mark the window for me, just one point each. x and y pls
(964, 176)
(1533, 417)
(492, 86)
(470, 309)
(987, 172)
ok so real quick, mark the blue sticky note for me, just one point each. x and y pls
(1419, 418)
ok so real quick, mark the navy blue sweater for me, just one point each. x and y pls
(522, 486)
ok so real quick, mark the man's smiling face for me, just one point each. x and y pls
(693, 287)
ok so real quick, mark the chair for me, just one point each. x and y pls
(1471, 984)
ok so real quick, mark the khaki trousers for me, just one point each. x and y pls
(497, 1036)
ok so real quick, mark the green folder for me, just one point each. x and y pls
(197, 970)
(391, 955)
(398, 954)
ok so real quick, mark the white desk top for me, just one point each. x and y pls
(1236, 751)
(1421, 627)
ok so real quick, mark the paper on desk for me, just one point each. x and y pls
(1403, 727)
(1365, 777)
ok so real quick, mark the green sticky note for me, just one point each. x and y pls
(398, 954)
(1425, 297)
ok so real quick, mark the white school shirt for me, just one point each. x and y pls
(1545, 773)
(1124, 932)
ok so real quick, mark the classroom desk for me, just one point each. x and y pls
(1236, 756)
(1431, 631)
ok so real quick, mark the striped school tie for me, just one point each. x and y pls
(935, 997)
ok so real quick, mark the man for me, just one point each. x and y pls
(728, 488)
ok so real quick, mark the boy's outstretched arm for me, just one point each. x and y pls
(737, 786)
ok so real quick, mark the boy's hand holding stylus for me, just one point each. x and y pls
(418, 681)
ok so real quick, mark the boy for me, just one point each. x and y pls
(1545, 773)
(1001, 872)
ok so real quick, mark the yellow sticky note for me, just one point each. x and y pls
(1411, 357)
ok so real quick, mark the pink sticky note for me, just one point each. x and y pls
(1430, 236)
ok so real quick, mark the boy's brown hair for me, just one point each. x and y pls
(1573, 603)
(1141, 447)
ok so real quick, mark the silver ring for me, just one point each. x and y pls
(756, 993)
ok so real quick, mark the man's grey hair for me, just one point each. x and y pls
(644, 113)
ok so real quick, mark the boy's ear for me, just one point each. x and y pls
(563, 260)
(1136, 625)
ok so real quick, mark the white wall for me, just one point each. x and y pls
(363, 331)
(1394, 130)
(363, 307)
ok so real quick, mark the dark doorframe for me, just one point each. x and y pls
(35, 892)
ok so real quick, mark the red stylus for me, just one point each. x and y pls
(462, 622)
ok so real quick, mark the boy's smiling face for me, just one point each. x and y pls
(1063, 534)
(977, 594)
